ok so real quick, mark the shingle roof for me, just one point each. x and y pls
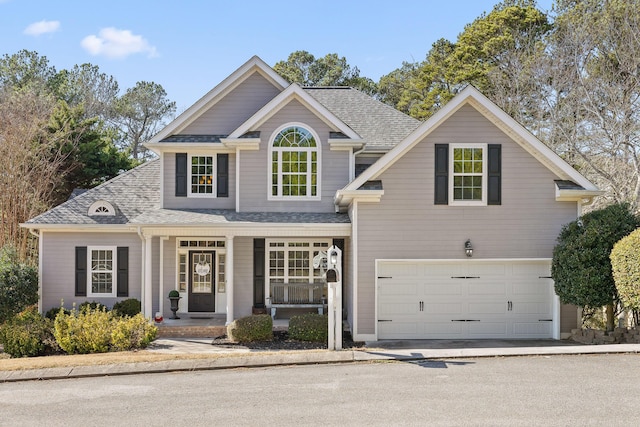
(226, 216)
(194, 138)
(131, 193)
(380, 125)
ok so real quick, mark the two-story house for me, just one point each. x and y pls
(447, 226)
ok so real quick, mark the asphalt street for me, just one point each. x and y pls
(550, 390)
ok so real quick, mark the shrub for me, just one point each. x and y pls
(625, 263)
(251, 328)
(581, 268)
(173, 293)
(92, 306)
(309, 327)
(99, 331)
(87, 331)
(53, 312)
(18, 284)
(132, 333)
(129, 307)
(28, 334)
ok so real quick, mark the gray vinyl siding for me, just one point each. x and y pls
(235, 108)
(407, 225)
(255, 167)
(58, 266)
(169, 188)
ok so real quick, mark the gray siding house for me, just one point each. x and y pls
(447, 226)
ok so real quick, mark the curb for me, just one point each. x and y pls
(304, 358)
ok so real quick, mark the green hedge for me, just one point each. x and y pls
(28, 334)
(625, 263)
(251, 328)
(309, 327)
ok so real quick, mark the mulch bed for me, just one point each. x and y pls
(281, 341)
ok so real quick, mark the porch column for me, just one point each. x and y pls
(228, 275)
(147, 306)
(161, 277)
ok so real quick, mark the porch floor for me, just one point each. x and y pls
(193, 326)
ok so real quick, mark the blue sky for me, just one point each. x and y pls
(189, 46)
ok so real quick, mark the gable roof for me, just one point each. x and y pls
(294, 91)
(255, 64)
(381, 126)
(472, 96)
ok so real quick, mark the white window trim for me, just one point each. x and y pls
(214, 176)
(93, 209)
(114, 271)
(483, 202)
(285, 248)
(318, 150)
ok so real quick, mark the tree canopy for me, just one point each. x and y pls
(331, 70)
(67, 129)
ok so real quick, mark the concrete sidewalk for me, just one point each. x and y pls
(227, 357)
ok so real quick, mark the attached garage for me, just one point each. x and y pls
(465, 299)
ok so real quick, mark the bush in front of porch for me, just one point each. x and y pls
(309, 327)
(258, 327)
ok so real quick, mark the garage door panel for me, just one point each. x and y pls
(399, 309)
(479, 289)
(532, 308)
(483, 308)
(444, 329)
(487, 329)
(444, 308)
(531, 329)
(443, 289)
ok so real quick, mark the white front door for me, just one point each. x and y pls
(464, 299)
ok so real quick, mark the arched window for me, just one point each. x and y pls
(101, 208)
(295, 158)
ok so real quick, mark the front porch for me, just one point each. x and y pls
(195, 326)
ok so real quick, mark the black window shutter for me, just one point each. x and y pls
(494, 190)
(258, 272)
(123, 272)
(223, 175)
(441, 188)
(81, 271)
(181, 174)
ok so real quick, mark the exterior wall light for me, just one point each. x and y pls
(468, 248)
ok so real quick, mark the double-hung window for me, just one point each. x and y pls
(201, 176)
(102, 271)
(468, 174)
(294, 157)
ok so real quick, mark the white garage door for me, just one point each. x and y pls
(464, 299)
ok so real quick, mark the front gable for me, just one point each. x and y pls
(468, 133)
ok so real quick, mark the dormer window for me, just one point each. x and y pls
(101, 208)
(294, 162)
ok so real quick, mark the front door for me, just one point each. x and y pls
(201, 285)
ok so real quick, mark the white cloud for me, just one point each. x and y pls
(42, 27)
(114, 43)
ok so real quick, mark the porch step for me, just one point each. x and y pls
(165, 331)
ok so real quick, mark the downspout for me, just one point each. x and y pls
(39, 236)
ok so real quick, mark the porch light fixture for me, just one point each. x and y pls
(333, 258)
(468, 248)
